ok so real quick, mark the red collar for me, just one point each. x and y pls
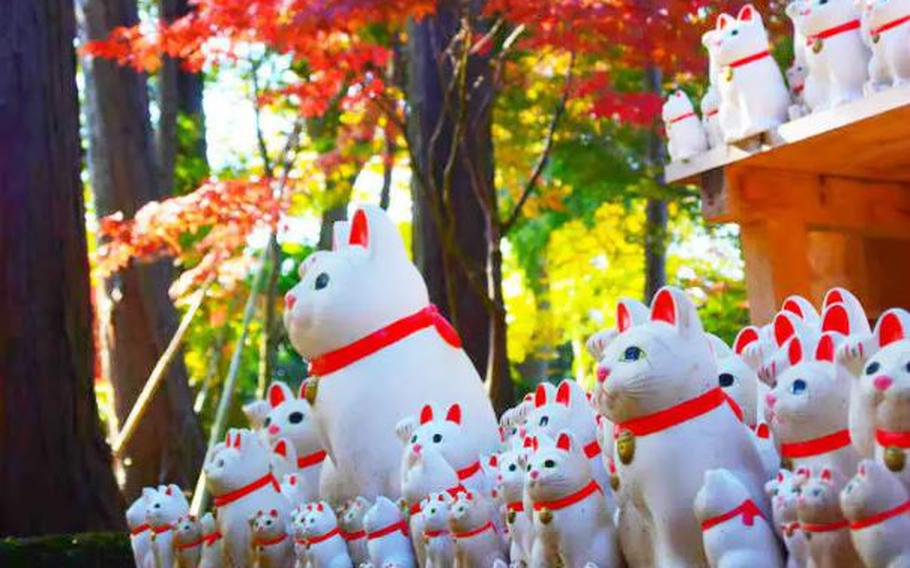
(435, 533)
(816, 447)
(469, 471)
(161, 529)
(271, 541)
(712, 112)
(323, 537)
(222, 500)
(789, 528)
(890, 25)
(881, 517)
(382, 338)
(211, 539)
(824, 527)
(193, 544)
(592, 450)
(313, 459)
(681, 117)
(516, 506)
(831, 32)
(475, 532)
(798, 89)
(749, 59)
(747, 511)
(401, 526)
(591, 488)
(669, 417)
(356, 535)
(892, 439)
(140, 529)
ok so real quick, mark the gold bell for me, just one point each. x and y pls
(614, 482)
(786, 463)
(511, 517)
(817, 45)
(625, 446)
(728, 73)
(545, 516)
(311, 389)
(876, 38)
(895, 459)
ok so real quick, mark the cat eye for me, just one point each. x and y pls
(437, 438)
(549, 464)
(544, 420)
(873, 367)
(529, 467)
(725, 380)
(295, 417)
(798, 387)
(734, 32)
(414, 439)
(908, 367)
(322, 281)
(632, 353)
(513, 467)
(268, 420)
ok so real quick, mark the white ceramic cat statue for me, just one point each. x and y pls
(836, 57)
(387, 535)
(351, 522)
(477, 540)
(325, 547)
(140, 530)
(710, 117)
(437, 538)
(165, 506)
(239, 478)
(784, 492)
(212, 543)
(661, 391)
(753, 95)
(878, 508)
(510, 483)
(272, 545)
(292, 418)
(188, 541)
(735, 532)
(361, 316)
(685, 134)
(886, 26)
(570, 512)
(796, 81)
(820, 517)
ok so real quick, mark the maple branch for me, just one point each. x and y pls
(545, 154)
(257, 115)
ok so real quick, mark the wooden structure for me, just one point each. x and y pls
(821, 201)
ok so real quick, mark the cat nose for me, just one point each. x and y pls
(534, 474)
(274, 429)
(289, 301)
(416, 448)
(882, 382)
(603, 373)
(770, 400)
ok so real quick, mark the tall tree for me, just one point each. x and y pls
(169, 445)
(55, 471)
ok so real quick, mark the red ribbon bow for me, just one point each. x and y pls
(747, 511)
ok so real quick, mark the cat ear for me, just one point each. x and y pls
(564, 442)
(278, 393)
(801, 308)
(795, 351)
(836, 319)
(564, 394)
(540, 396)
(825, 474)
(748, 13)
(892, 326)
(824, 351)
(745, 337)
(723, 20)
(426, 414)
(454, 414)
(623, 317)
(630, 313)
(672, 306)
(372, 229)
(783, 328)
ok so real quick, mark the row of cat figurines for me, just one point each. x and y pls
(843, 50)
(680, 441)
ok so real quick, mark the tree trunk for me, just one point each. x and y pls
(179, 98)
(55, 467)
(169, 445)
(430, 74)
(329, 216)
(656, 209)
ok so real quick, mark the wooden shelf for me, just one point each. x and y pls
(868, 139)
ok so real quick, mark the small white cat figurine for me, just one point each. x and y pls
(735, 532)
(796, 81)
(188, 541)
(710, 117)
(140, 530)
(477, 541)
(165, 506)
(753, 95)
(292, 418)
(212, 543)
(685, 134)
(877, 506)
(351, 522)
(820, 517)
(438, 542)
(784, 492)
(387, 535)
(836, 57)
(886, 25)
(570, 511)
(510, 483)
(272, 545)
(325, 547)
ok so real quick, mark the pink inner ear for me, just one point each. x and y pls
(836, 319)
(274, 512)
(795, 351)
(276, 395)
(745, 15)
(540, 396)
(721, 21)
(783, 329)
(563, 394)
(360, 231)
(825, 349)
(426, 414)
(623, 318)
(528, 443)
(833, 297)
(747, 336)
(664, 307)
(826, 474)
(793, 307)
(890, 329)
(454, 414)
(563, 442)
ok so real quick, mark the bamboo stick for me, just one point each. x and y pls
(156, 377)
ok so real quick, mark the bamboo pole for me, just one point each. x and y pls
(137, 412)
